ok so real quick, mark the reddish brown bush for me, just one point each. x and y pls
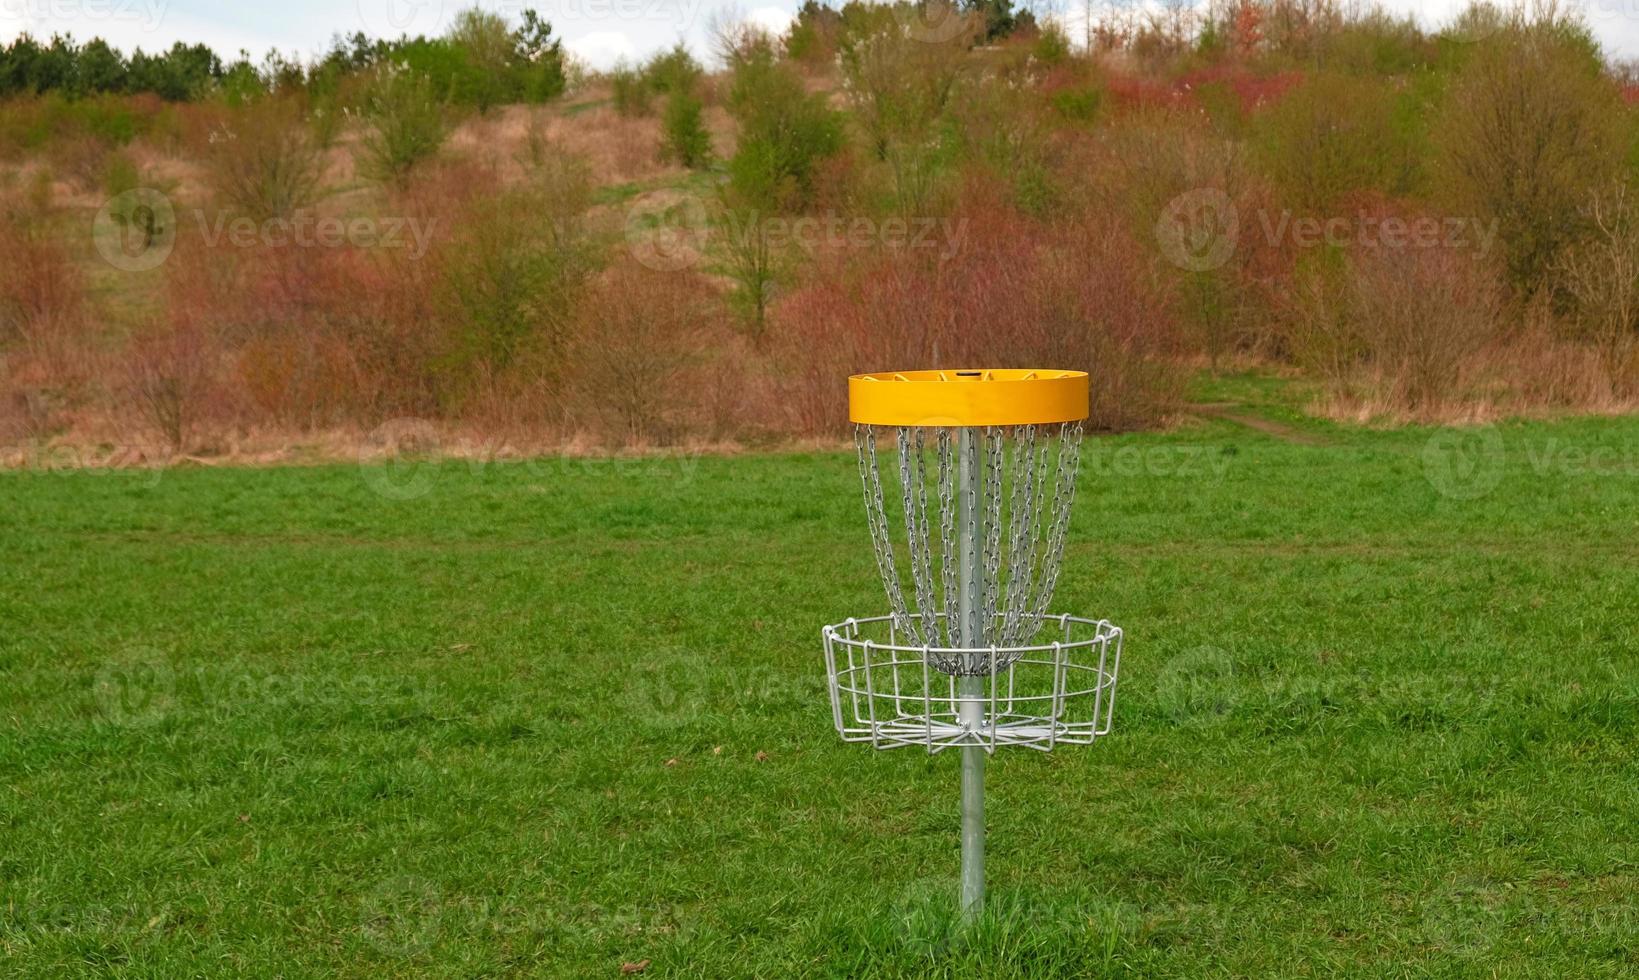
(1000, 291)
(43, 317)
(171, 380)
(1393, 329)
(644, 341)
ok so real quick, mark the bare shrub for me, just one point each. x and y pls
(41, 293)
(641, 338)
(1396, 328)
(1420, 314)
(169, 375)
(81, 159)
(265, 162)
(1317, 330)
(1602, 277)
(44, 314)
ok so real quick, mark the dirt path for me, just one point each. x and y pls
(1238, 414)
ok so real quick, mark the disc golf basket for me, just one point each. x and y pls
(969, 531)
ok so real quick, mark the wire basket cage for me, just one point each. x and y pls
(891, 694)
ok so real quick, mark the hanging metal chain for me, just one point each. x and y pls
(1064, 496)
(947, 533)
(996, 457)
(913, 481)
(1020, 531)
(876, 516)
(1018, 575)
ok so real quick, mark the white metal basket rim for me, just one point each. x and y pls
(1106, 631)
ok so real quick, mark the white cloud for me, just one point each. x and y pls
(775, 20)
(603, 49)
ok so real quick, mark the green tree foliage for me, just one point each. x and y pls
(1532, 131)
(481, 62)
(684, 131)
(511, 284)
(407, 125)
(1333, 135)
(634, 89)
(785, 132)
(814, 34)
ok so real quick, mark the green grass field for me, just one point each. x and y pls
(1379, 716)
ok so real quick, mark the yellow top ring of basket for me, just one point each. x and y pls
(999, 396)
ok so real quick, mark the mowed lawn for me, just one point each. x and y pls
(1378, 716)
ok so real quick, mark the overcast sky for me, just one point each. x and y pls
(602, 31)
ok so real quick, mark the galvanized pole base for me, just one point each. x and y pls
(973, 805)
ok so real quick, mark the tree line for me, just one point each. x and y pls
(481, 61)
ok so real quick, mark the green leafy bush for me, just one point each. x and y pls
(629, 91)
(1533, 129)
(785, 131)
(406, 125)
(1333, 135)
(511, 280)
(685, 137)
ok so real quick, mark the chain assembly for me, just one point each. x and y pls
(1017, 510)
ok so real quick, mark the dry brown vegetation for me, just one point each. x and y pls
(553, 281)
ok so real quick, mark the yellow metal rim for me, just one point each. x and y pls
(1000, 396)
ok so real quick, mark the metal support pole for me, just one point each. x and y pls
(971, 688)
